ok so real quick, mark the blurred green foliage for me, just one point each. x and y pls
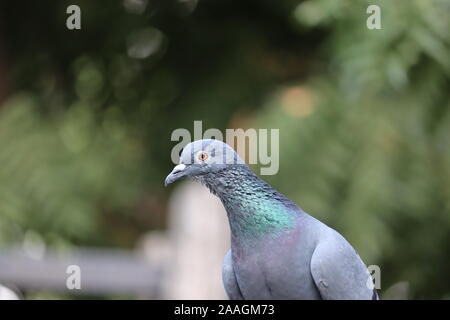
(363, 115)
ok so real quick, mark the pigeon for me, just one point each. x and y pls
(278, 251)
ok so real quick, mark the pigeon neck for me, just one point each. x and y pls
(255, 210)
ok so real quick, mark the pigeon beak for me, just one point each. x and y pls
(177, 173)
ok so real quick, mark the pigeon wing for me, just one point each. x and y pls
(339, 272)
(229, 279)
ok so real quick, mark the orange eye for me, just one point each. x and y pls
(202, 156)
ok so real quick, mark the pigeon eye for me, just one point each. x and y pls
(202, 156)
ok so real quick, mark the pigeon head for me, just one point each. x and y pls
(204, 157)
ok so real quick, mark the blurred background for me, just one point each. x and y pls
(86, 117)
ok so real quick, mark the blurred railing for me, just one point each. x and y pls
(182, 263)
(102, 272)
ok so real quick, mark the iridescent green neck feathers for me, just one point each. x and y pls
(254, 208)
